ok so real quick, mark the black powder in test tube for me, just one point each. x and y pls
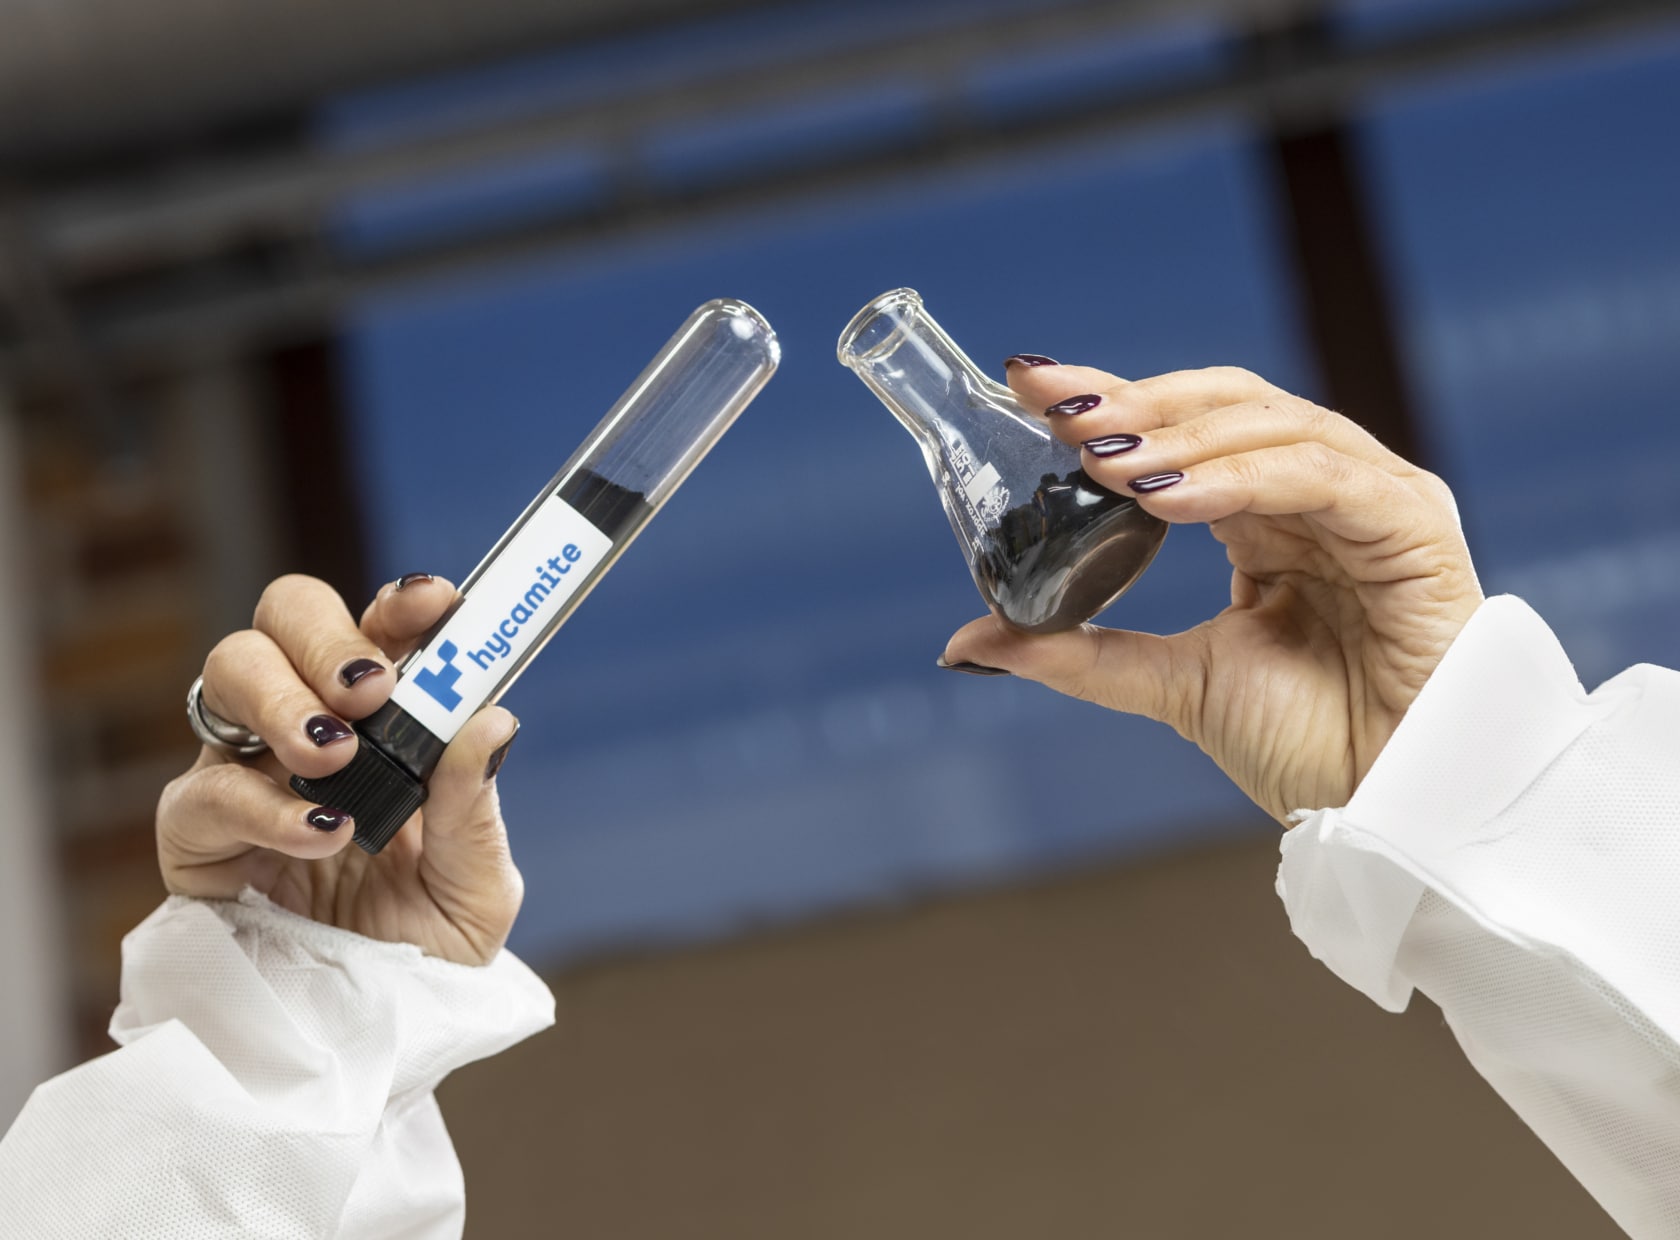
(1053, 562)
(614, 510)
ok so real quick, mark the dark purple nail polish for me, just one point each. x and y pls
(1112, 445)
(1156, 482)
(325, 730)
(409, 579)
(358, 670)
(1029, 359)
(496, 758)
(1075, 404)
(325, 818)
(973, 669)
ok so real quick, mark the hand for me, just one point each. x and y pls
(1350, 578)
(446, 882)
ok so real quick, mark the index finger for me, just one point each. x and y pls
(405, 610)
(1221, 406)
(1160, 400)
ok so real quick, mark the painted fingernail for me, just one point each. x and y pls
(1029, 359)
(326, 818)
(409, 579)
(499, 756)
(1112, 445)
(1075, 404)
(358, 670)
(1156, 482)
(973, 669)
(325, 730)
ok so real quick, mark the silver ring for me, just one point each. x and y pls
(220, 734)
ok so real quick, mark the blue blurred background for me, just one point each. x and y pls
(333, 286)
(745, 720)
(745, 723)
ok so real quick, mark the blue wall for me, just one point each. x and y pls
(1533, 216)
(744, 721)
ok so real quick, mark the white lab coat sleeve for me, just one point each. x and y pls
(1514, 854)
(274, 1080)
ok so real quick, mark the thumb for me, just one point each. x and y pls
(1160, 678)
(465, 852)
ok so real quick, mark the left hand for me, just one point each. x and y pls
(445, 882)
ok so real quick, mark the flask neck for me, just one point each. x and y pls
(919, 373)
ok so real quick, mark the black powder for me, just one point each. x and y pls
(614, 510)
(1055, 561)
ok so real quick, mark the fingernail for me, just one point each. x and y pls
(500, 755)
(1075, 404)
(408, 579)
(1156, 482)
(325, 818)
(1029, 359)
(1112, 445)
(357, 670)
(325, 730)
(973, 669)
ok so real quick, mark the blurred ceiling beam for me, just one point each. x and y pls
(91, 79)
(294, 286)
(207, 204)
(87, 79)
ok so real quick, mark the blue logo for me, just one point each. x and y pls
(440, 683)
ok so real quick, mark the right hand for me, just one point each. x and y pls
(446, 882)
(1350, 577)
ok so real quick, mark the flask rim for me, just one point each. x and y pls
(903, 302)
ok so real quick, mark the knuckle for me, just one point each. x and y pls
(1195, 440)
(1323, 461)
(1439, 495)
(272, 601)
(1243, 471)
(1242, 379)
(218, 789)
(230, 658)
(1435, 487)
(1315, 420)
(281, 595)
(208, 792)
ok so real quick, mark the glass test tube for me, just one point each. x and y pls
(550, 558)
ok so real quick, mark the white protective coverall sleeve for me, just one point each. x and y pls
(274, 1080)
(1514, 854)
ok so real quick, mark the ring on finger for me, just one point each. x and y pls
(222, 735)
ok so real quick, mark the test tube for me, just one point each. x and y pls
(549, 559)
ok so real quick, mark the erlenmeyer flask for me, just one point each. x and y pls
(1048, 547)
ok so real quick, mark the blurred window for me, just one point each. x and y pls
(1532, 220)
(745, 721)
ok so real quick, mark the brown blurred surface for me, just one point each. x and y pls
(1144, 1051)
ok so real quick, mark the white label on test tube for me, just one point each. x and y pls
(538, 569)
